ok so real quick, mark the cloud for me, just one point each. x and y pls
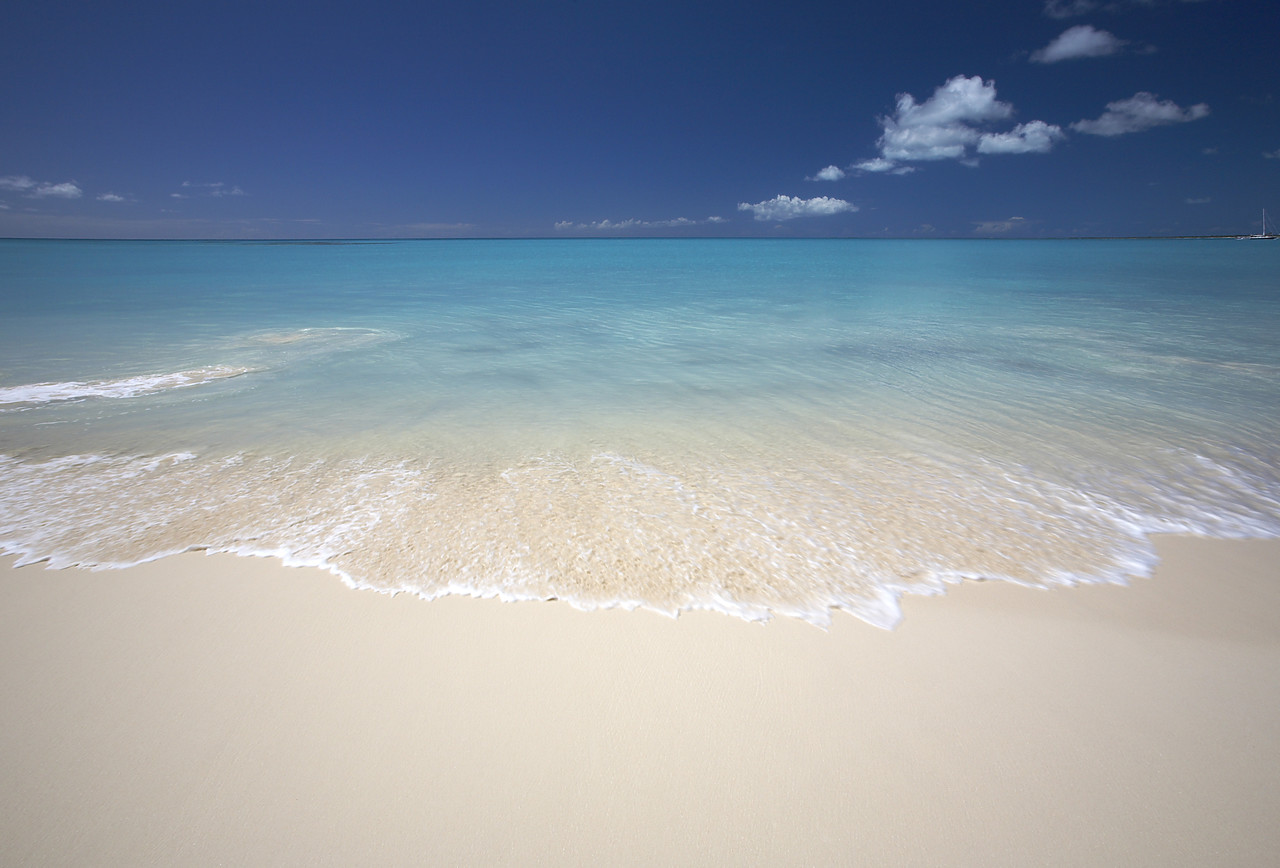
(65, 190)
(1201, 201)
(946, 127)
(791, 207)
(1033, 137)
(40, 189)
(1079, 41)
(1272, 155)
(830, 173)
(217, 189)
(880, 164)
(110, 197)
(1140, 112)
(999, 227)
(939, 128)
(959, 100)
(20, 183)
(607, 225)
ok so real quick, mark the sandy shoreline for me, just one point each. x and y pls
(215, 710)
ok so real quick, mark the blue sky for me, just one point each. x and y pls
(918, 118)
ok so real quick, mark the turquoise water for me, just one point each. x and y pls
(752, 426)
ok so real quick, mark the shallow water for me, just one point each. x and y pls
(752, 426)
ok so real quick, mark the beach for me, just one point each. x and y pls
(204, 710)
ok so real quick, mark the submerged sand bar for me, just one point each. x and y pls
(219, 710)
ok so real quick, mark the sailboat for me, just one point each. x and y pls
(1263, 235)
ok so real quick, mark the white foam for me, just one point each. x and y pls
(127, 387)
(612, 530)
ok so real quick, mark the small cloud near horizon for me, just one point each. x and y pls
(791, 207)
(607, 225)
(999, 227)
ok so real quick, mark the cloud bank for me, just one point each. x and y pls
(1076, 42)
(791, 207)
(1140, 112)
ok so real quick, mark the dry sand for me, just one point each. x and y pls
(215, 710)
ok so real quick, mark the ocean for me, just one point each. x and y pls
(759, 427)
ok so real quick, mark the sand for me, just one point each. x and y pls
(225, 711)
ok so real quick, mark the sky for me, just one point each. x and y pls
(567, 118)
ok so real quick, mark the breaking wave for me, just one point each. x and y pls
(126, 387)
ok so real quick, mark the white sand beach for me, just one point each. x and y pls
(227, 711)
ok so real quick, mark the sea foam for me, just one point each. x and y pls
(126, 387)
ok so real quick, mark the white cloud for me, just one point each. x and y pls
(40, 189)
(1140, 112)
(1033, 137)
(830, 173)
(16, 182)
(1205, 200)
(791, 207)
(880, 164)
(942, 142)
(945, 127)
(1079, 41)
(960, 100)
(607, 225)
(65, 190)
(1272, 155)
(110, 197)
(217, 189)
(999, 227)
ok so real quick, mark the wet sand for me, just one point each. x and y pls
(220, 710)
